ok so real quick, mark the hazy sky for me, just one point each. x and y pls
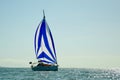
(86, 32)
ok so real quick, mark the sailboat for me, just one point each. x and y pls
(44, 48)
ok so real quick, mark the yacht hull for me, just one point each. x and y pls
(45, 68)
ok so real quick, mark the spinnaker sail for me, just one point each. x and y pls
(44, 44)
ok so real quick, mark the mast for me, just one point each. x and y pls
(43, 14)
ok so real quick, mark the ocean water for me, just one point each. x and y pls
(62, 74)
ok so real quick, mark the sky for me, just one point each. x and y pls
(86, 32)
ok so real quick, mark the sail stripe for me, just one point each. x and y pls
(45, 60)
(40, 34)
(52, 43)
(44, 49)
(48, 48)
(47, 45)
(37, 38)
(43, 54)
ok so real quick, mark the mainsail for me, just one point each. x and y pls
(44, 44)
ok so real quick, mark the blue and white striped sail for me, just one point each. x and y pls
(44, 44)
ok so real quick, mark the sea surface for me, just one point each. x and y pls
(62, 74)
